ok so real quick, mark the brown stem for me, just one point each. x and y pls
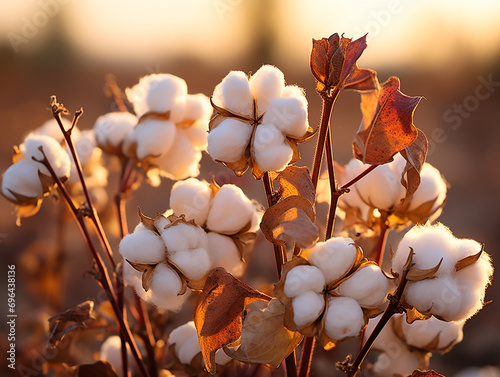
(306, 356)
(358, 177)
(382, 240)
(333, 188)
(291, 365)
(113, 90)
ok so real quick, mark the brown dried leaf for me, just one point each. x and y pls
(63, 323)
(362, 79)
(321, 55)
(147, 272)
(417, 274)
(292, 217)
(413, 315)
(467, 261)
(98, 369)
(387, 125)
(264, 338)
(148, 222)
(296, 181)
(219, 312)
(431, 373)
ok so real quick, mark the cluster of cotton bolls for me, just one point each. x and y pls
(381, 189)
(184, 344)
(260, 121)
(456, 291)
(168, 132)
(334, 275)
(111, 351)
(405, 347)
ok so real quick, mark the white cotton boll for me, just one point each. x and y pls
(307, 307)
(302, 279)
(188, 349)
(130, 274)
(51, 128)
(233, 94)
(183, 236)
(397, 362)
(86, 147)
(221, 358)
(181, 161)
(197, 107)
(198, 134)
(289, 115)
(230, 211)
(368, 286)
(54, 152)
(270, 148)
(344, 318)
(227, 142)
(421, 333)
(194, 264)
(153, 138)
(440, 297)
(334, 257)
(165, 287)
(142, 247)
(352, 199)
(294, 91)
(386, 339)
(266, 84)
(111, 128)
(21, 178)
(191, 198)
(224, 253)
(432, 187)
(111, 351)
(159, 93)
(180, 334)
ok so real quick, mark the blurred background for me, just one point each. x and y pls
(447, 51)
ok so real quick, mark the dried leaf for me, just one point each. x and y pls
(63, 323)
(296, 181)
(147, 272)
(362, 79)
(387, 125)
(219, 312)
(264, 338)
(321, 55)
(417, 274)
(431, 373)
(467, 261)
(97, 369)
(292, 217)
(413, 315)
(148, 222)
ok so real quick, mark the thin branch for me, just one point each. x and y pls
(333, 187)
(306, 356)
(358, 177)
(113, 90)
(291, 365)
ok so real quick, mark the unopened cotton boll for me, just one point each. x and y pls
(193, 263)
(227, 142)
(270, 148)
(54, 152)
(159, 93)
(266, 84)
(230, 211)
(432, 187)
(197, 107)
(22, 179)
(344, 318)
(142, 247)
(224, 253)
(289, 115)
(233, 94)
(307, 307)
(111, 352)
(111, 128)
(191, 198)
(399, 362)
(334, 257)
(302, 279)
(368, 286)
(153, 137)
(182, 236)
(421, 334)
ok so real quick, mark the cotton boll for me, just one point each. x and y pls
(270, 148)
(55, 154)
(221, 358)
(142, 247)
(183, 236)
(21, 178)
(111, 128)
(197, 134)
(111, 352)
(334, 257)
(432, 186)
(188, 349)
(130, 274)
(266, 84)
(191, 198)
(153, 138)
(399, 362)
(224, 253)
(86, 148)
(230, 211)
(289, 115)
(194, 264)
(352, 199)
(421, 333)
(165, 288)
(302, 279)
(294, 91)
(228, 141)
(51, 128)
(307, 307)
(387, 339)
(344, 318)
(159, 93)
(233, 94)
(197, 107)
(180, 334)
(368, 286)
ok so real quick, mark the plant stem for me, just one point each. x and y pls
(306, 356)
(358, 177)
(291, 365)
(334, 194)
(382, 240)
(114, 91)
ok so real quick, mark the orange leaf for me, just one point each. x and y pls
(219, 312)
(296, 181)
(362, 79)
(387, 125)
(431, 373)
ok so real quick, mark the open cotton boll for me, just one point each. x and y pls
(197, 134)
(188, 349)
(227, 142)
(86, 147)
(270, 148)
(230, 211)
(159, 93)
(51, 128)
(153, 138)
(266, 84)
(111, 352)
(191, 198)
(307, 307)
(194, 264)
(180, 334)
(233, 94)
(334, 257)
(399, 362)
(221, 358)
(343, 318)
(422, 333)
(54, 152)
(294, 91)
(197, 107)
(302, 279)
(386, 339)
(368, 286)
(289, 115)
(432, 187)
(224, 253)
(111, 128)
(21, 178)
(142, 247)
(183, 236)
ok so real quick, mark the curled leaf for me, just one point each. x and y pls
(467, 261)
(296, 181)
(431, 373)
(417, 274)
(362, 79)
(147, 271)
(63, 323)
